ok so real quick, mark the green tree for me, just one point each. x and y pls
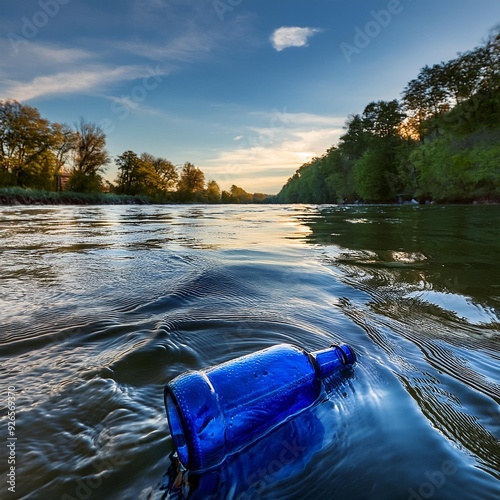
(454, 169)
(354, 142)
(64, 140)
(376, 174)
(369, 170)
(239, 195)
(91, 157)
(441, 141)
(128, 179)
(166, 174)
(340, 179)
(383, 119)
(426, 97)
(308, 184)
(262, 198)
(191, 183)
(25, 138)
(439, 88)
(213, 192)
(225, 197)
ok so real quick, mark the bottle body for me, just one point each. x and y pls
(216, 412)
(282, 453)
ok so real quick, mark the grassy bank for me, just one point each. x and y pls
(20, 196)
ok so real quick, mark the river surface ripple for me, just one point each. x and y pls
(101, 306)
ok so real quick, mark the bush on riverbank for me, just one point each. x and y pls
(439, 142)
(21, 196)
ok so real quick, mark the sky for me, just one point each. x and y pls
(247, 90)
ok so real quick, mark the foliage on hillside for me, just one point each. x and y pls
(43, 162)
(440, 142)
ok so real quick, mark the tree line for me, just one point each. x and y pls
(38, 154)
(440, 141)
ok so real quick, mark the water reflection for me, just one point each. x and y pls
(444, 249)
(432, 276)
(281, 454)
(103, 305)
(273, 458)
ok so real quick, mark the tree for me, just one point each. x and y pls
(213, 192)
(165, 170)
(262, 198)
(426, 97)
(383, 118)
(91, 157)
(355, 141)
(441, 141)
(191, 183)
(452, 169)
(25, 139)
(63, 146)
(225, 197)
(339, 181)
(128, 167)
(239, 195)
(371, 183)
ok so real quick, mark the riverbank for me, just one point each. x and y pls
(20, 196)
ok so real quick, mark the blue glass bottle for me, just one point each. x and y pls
(216, 412)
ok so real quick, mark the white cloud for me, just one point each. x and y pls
(286, 37)
(185, 48)
(43, 69)
(267, 156)
(86, 79)
(27, 60)
(56, 55)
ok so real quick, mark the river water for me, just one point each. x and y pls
(100, 306)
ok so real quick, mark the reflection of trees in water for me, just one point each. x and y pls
(451, 249)
(437, 360)
(431, 274)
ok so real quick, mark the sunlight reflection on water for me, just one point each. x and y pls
(103, 305)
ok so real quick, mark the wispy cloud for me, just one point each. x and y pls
(40, 69)
(269, 155)
(185, 48)
(286, 37)
(44, 53)
(31, 57)
(295, 120)
(86, 79)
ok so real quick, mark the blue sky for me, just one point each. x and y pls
(247, 90)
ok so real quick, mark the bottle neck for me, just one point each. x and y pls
(331, 360)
